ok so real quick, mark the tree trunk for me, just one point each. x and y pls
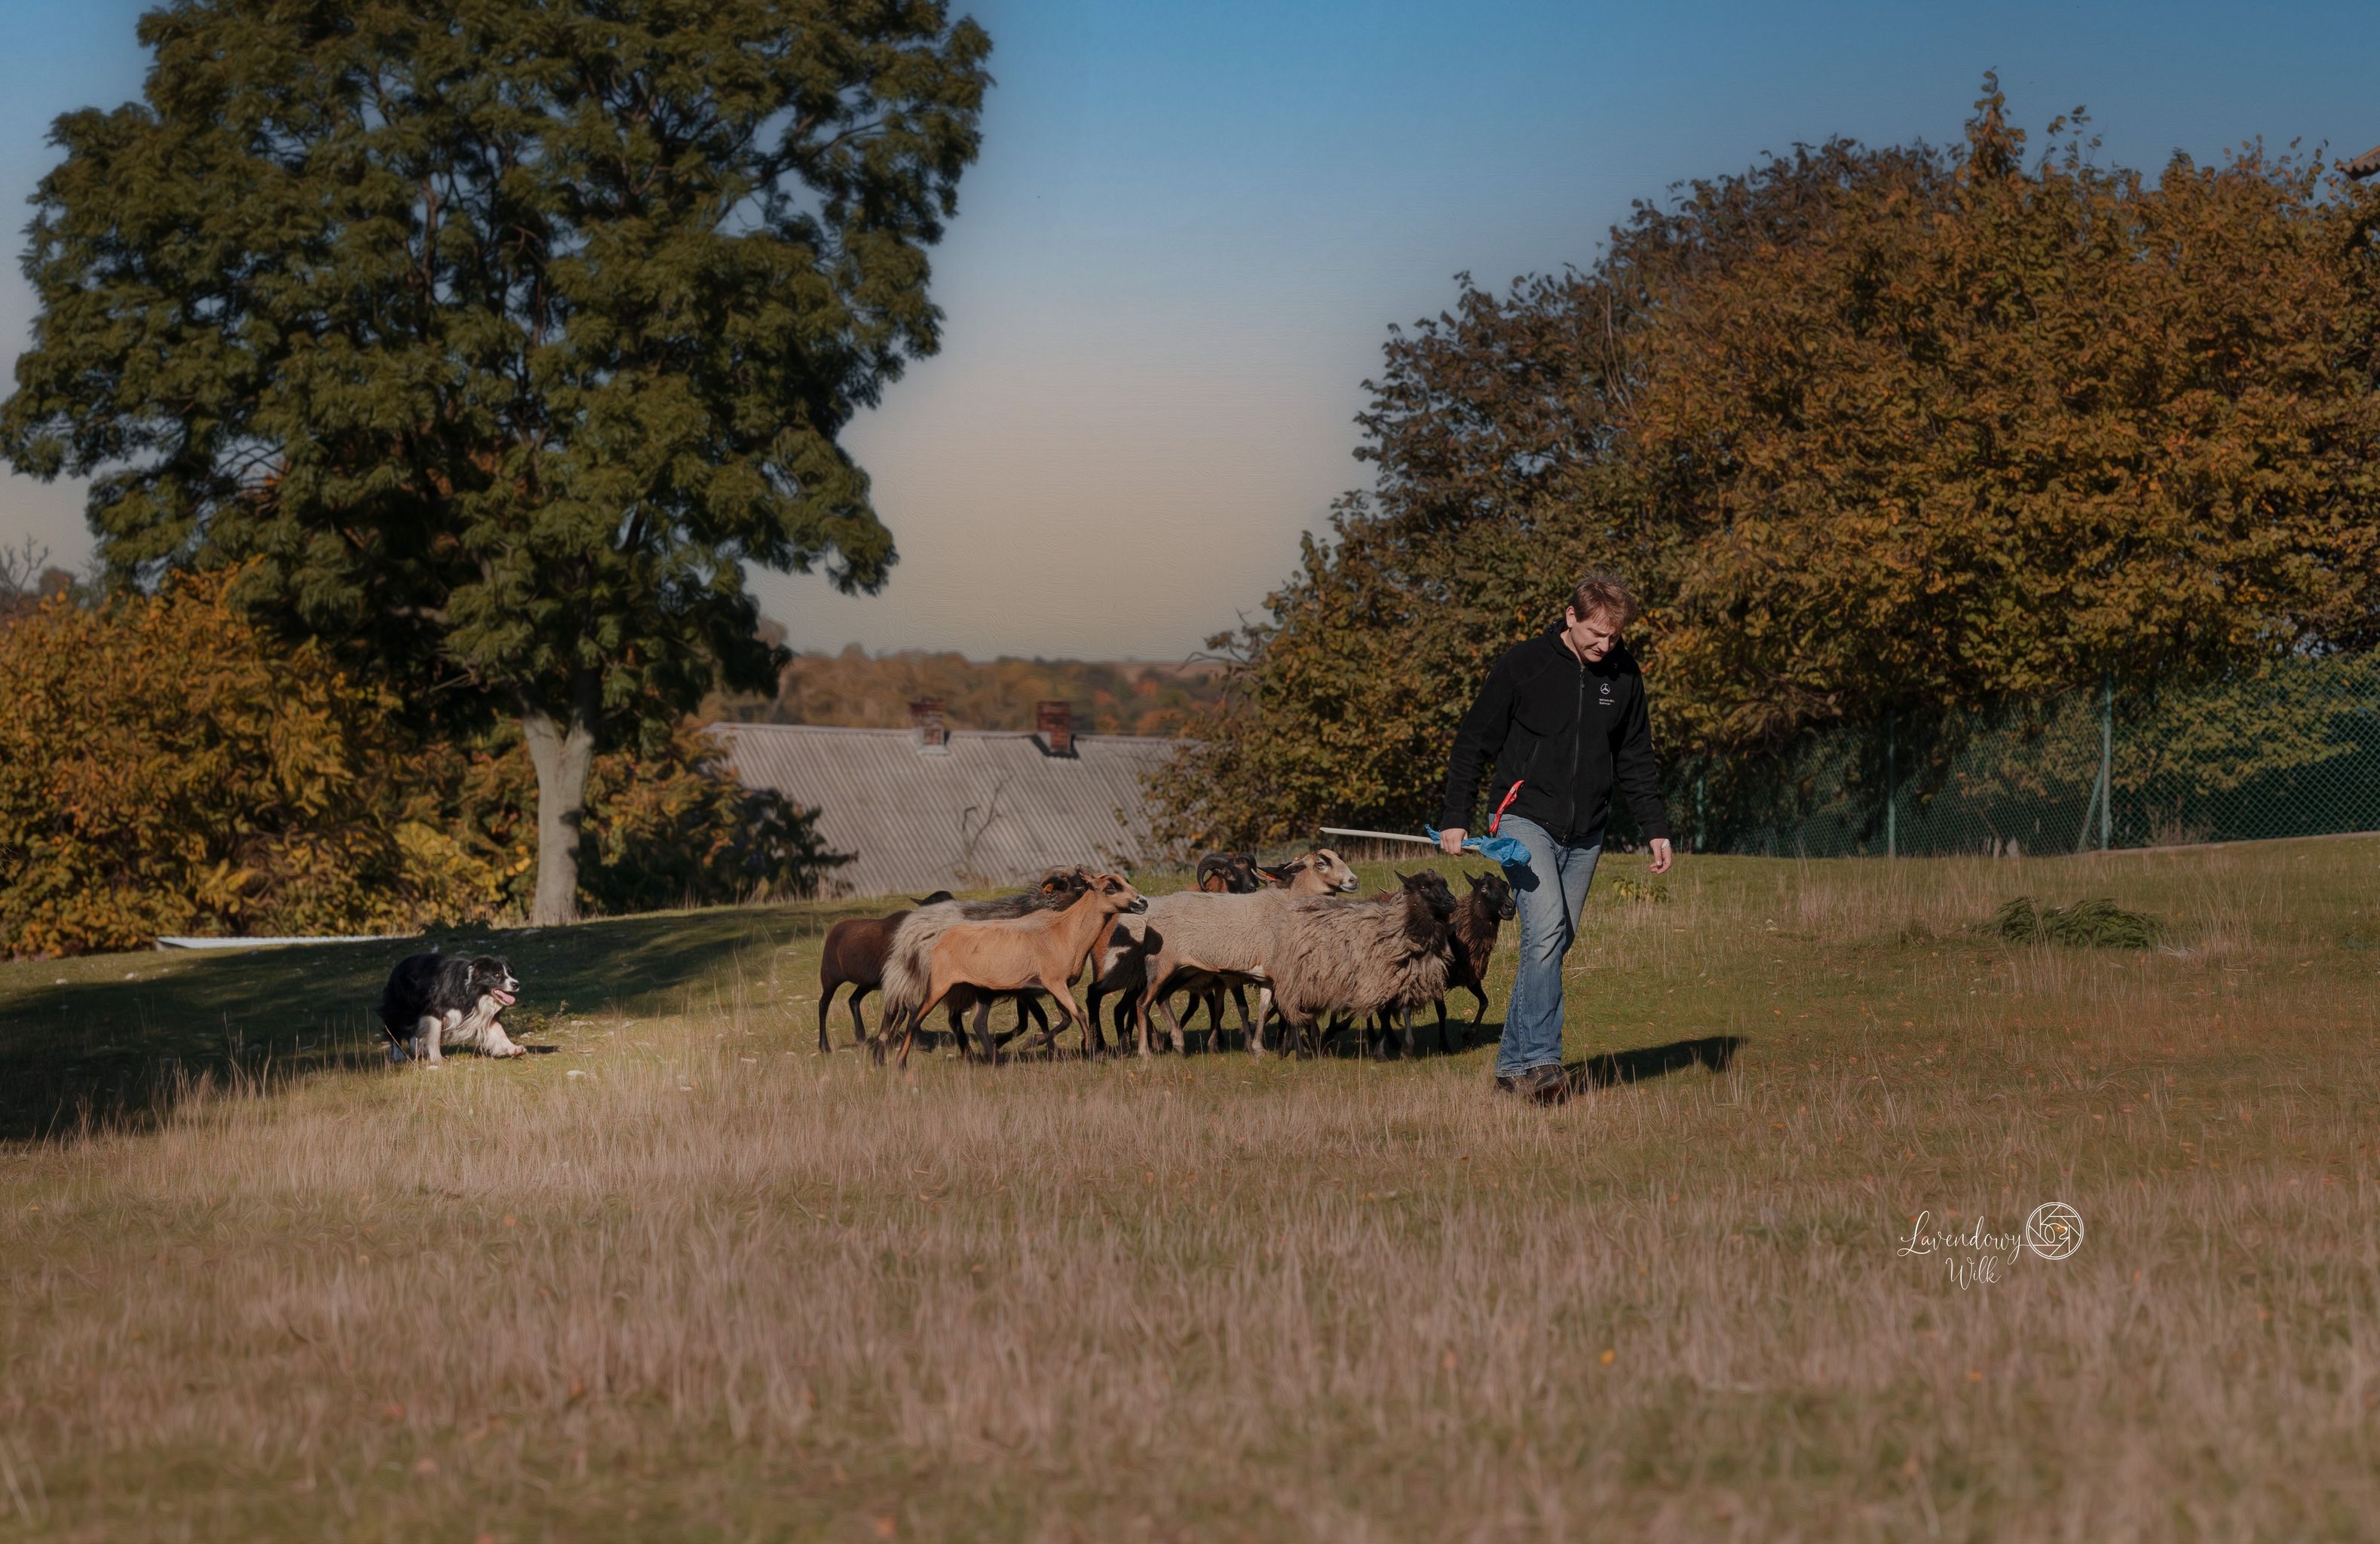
(562, 750)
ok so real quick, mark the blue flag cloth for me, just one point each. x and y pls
(1506, 850)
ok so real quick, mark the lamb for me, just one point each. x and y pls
(1043, 949)
(1478, 916)
(1223, 936)
(1355, 958)
(904, 970)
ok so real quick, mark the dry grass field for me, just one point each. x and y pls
(683, 1278)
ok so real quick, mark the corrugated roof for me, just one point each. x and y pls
(993, 810)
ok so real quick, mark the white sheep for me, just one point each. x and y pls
(1355, 958)
(1193, 939)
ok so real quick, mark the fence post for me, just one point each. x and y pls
(2106, 758)
(1892, 787)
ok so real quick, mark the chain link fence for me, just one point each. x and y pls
(2291, 750)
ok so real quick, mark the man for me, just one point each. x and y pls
(1561, 719)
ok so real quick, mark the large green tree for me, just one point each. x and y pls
(498, 338)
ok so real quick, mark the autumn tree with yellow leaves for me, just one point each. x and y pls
(1910, 431)
(168, 767)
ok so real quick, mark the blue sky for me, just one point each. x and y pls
(1192, 224)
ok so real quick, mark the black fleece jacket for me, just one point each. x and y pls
(1566, 732)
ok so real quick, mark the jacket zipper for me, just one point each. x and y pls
(1577, 733)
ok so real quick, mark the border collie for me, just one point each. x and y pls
(433, 1001)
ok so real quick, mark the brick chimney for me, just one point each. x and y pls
(928, 730)
(1053, 725)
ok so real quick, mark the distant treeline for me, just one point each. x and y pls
(856, 690)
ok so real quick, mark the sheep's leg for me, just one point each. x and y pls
(983, 1029)
(1404, 1024)
(917, 1017)
(1445, 1038)
(894, 1022)
(1158, 970)
(1067, 1017)
(1064, 1005)
(1018, 1028)
(1028, 1006)
(1164, 1005)
(1045, 1034)
(825, 999)
(1264, 1012)
(859, 1025)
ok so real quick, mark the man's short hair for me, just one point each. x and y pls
(1600, 591)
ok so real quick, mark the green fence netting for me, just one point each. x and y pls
(2292, 750)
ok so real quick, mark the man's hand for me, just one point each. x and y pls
(1450, 841)
(1662, 856)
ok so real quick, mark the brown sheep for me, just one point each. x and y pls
(1044, 950)
(853, 955)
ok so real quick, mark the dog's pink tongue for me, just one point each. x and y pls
(503, 997)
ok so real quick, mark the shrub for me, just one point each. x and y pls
(166, 768)
(2090, 924)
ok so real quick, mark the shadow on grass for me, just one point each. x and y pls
(1711, 1052)
(114, 1041)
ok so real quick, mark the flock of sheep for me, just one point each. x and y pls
(1322, 957)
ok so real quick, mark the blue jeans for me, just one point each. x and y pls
(1550, 892)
